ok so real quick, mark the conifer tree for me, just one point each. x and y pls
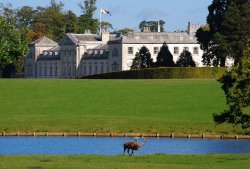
(165, 58)
(185, 60)
(142, 59)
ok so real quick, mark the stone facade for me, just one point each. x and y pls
(85, 54)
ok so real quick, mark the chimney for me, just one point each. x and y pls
(105, 37)
(159, 27)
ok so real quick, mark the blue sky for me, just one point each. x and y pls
(129, 13)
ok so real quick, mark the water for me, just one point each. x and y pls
(114, 146)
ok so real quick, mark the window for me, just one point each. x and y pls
(115, 66)
(56, 71)
(84, 70)
(40, 71)
(96, 68)
(186, 49)
(196, 51)
(50, 71)
(176, 50)
(102, 70)
(115, 53)
(156, 50)
(90, 69)
(45, 70)
(130, 51)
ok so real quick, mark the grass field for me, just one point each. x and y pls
(149, 106)
(122, 162)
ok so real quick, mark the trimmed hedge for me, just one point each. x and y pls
(164, 73)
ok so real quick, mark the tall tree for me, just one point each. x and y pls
(236, 85)
(165, 57)
(215, 51)
(185, 60)
(86, 21)
(142, 59)
(153, 25)
(12, 49)
(236, 81)
(71, 22)
(236, 28)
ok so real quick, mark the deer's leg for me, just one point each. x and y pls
(124, 149)
(128, 151)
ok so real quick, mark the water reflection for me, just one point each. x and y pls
(114, 146)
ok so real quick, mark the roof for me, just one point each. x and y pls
(71, 39)
(99, 52)
(44, 41)
(156, 38)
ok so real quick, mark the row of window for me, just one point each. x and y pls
(93, 69)
(176, 50)
(48, 71)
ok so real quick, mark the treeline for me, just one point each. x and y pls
(164, 58)
(19, 27)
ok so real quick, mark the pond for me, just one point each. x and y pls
(114, 146)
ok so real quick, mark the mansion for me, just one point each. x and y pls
(78, 55)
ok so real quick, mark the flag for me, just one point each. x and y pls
(105, 11)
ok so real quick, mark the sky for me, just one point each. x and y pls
(129, 13)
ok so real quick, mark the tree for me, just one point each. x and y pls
(210, 37)
(126, 30)
(153, 25)
(165, 58)
(185, 60)
(106, 26)
(12, 49)
(142, 59)
(236, 85)
(236, 28)
(71, 22)
(86, 20)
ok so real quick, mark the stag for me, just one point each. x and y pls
(133, 146)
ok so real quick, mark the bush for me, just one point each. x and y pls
(164, 73)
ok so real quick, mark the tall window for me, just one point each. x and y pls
(130, 51)
(196, 51)
(156, 50)
(96, 68)
(45, 70)
(50, 71)
(90, 69)
(186, 49)
(56, 71)
(115, 53)
(176, 50)
(40, 71)
(84, 70)
(102, 70)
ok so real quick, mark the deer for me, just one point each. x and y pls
(133, 146)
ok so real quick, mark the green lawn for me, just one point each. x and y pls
(122, 162)
(149, 106)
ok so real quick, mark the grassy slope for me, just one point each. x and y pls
(181, 106)
(122, 162)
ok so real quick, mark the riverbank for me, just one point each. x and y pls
(112, 106)
(157, 135)
(123, 162)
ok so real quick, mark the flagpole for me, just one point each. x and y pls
(101, 23)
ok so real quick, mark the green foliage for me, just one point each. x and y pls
(142, 59)
(106, 26)
(86, 20)
(164, 73)
(236, 28)
(153, 25)
(126, 30)
(236, 85)
(71, 22)
(185, 60)
(164, 57)
(12, 47)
